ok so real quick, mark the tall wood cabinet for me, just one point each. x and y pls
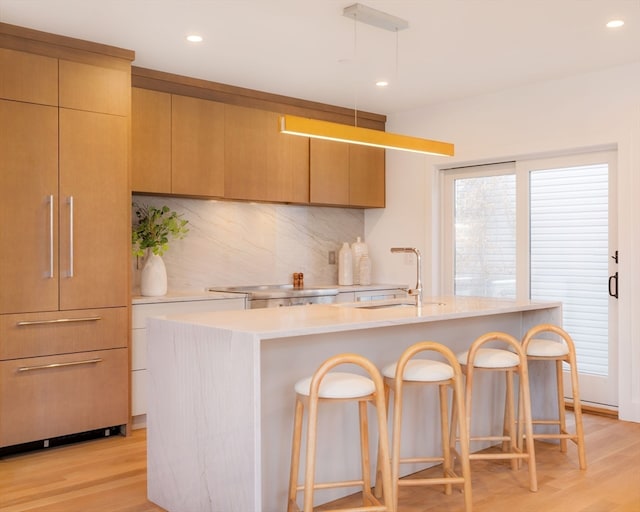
(64, 208)
(192, 137)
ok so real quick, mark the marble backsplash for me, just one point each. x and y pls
(233, 243)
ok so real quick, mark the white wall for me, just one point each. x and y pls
(582, 112)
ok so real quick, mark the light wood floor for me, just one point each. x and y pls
(108, 475)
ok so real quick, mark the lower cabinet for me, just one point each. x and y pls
(62, 373)
(139, 342)
(51, 396)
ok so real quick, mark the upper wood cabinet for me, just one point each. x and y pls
(191, 137)
(329, 172)
(197, 146)
(95, 88)
(261, 163)
(28, 77)
(346, 174)
(366, 176)
(177, 144)
(150, 141)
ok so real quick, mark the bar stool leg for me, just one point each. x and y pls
(364, 450)
(295, 456)
(447, 466)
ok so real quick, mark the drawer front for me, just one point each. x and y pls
(46, 397)
(143, 311)
(42, 334)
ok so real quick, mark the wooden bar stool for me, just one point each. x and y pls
(560, 351)
(512, 361)
(408, 371)
(326, 386)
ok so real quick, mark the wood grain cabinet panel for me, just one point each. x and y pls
(366, 176)
(28, 77)
(95, 88)
(262, 164)
(197, 147)
(43, 334)
(28, 207)
(150, 141)
(346, 174)
(94, 230)
(329, 172)
(45, 397)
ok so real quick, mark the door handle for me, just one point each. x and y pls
(50, 236)
(613, 285)
(70, 201)
(59, 365)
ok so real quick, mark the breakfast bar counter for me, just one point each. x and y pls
(220, 399)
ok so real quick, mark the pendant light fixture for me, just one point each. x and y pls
(314, 128)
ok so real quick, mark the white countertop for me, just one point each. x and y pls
(319, 318)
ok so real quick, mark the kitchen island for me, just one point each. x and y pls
(220, 401)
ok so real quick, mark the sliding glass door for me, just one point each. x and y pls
(542, 229)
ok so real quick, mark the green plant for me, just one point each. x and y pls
(153, 227)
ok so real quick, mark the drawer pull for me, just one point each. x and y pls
(59, 365)
(58, 321)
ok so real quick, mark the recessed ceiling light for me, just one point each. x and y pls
(615, 24)
(382, 83)
(194, 38)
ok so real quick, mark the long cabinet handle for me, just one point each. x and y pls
(58, 321)
(70, 201)
(51, 236)
(59, 365)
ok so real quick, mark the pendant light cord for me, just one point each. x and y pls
(355, 71)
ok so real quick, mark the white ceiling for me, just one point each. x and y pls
(306, 48)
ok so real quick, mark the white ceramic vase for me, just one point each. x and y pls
(153, 280)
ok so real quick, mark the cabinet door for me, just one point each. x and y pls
(366, 176)
(150, 141)
(261, 163)
(329, 172)
(28, 77)
(95, 88)
(94, 210)
(44, 397)
(197, 147)
(28, 208)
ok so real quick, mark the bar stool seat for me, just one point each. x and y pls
(511, 360)
(560, 350)
(338, 385)
(445, 375)
(325, 386)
